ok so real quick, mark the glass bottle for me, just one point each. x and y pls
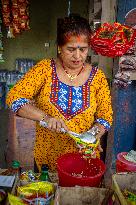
(44, 173)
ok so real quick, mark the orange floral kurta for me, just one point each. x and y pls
(41, 84)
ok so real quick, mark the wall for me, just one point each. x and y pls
(43, 23)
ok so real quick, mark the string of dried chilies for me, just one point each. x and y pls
(113, 39)
(15, 16)
(117, 40)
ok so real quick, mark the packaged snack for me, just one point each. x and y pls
(15, 200)
(37, 193)
(131, 197)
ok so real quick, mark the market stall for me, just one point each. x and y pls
(81, 179)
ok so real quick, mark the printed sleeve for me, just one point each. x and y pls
(104, 106)
(28, 87)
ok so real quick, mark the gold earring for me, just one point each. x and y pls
(59, 50)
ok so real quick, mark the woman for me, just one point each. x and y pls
(68, 93)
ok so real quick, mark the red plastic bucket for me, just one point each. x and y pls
(123, 165)
(73, 170)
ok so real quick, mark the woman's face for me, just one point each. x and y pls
(75, 51)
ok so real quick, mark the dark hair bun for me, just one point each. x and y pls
(74, 24)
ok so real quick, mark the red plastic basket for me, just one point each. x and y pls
(123, 165)
(73, 170)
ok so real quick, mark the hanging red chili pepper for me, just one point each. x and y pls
(113, 39)
(15, 16)
(6, 12)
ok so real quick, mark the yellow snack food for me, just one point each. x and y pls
(89, 149)
(14, 200)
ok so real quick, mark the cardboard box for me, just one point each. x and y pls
(122, 181)
(82, 196)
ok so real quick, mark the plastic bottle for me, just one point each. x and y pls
(44, 173)
(15, 166)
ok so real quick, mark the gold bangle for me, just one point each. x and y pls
(44, 118)
(44, 122)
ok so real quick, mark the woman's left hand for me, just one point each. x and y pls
(100, 148)
(101, 129)
(100, 134)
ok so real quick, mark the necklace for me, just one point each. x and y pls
(72, 77)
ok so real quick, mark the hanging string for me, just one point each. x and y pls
(69, 8)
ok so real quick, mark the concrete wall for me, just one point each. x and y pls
(43, 24)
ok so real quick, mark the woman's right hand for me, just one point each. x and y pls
(55, 124)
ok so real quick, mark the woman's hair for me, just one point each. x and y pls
(74, 25)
